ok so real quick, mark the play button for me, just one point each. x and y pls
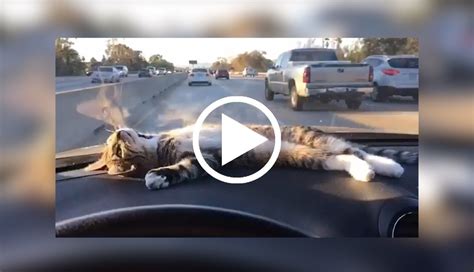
(237, 139)
(234, 132)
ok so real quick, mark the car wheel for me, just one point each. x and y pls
(189, 84)
(227, 78)
(268, 93)
(353, 103)
(377, 94)
(296, 101)
(209, 84)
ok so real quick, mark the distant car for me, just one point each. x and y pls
(161, 71)
(106, 74)
(394, 75)
(145, 73)
(221, 73)
(122, 69)
(249, 71)
(199, 76)
(152, 70)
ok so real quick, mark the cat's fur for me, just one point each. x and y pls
(167, 158)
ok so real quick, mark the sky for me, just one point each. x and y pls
(205, 50)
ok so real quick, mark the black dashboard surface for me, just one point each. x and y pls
(317, 203)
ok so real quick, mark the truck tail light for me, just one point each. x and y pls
(307, 75)
(371, 73)
(391, 72)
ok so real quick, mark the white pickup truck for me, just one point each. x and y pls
(316, 73)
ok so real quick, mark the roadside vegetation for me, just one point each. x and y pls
(70, 63)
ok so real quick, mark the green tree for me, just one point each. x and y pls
(255, 59)
(68, 61)
(412, 46)
(138, 61)
(158, 61)
(389, 46)
(93, 64)
(221, 63)
(155, 58)
(353, 53)
(119, 53)
(380, 46)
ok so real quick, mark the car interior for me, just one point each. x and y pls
(283, 203)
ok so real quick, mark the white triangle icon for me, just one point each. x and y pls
(237, 139)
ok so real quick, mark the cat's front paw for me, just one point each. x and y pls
(156, 181)
(361, 171)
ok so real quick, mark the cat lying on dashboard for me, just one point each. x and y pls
(167, 158)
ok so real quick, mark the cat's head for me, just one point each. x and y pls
(124, 154)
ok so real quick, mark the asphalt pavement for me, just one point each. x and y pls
(181, 105)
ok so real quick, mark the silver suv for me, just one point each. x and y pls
(394, 75)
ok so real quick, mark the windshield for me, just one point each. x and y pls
(89, 107)
(313, 55)
(119, 68)
(404, 62)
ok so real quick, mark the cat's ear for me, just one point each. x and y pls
(98, 165)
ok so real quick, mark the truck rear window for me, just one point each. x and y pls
(310, 55)
(105, 69)
(199, 70)
(403, 62)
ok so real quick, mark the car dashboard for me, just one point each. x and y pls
(283, 203)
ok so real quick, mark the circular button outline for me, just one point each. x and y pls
(236, 99)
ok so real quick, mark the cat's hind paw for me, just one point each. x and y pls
(385, 166)
(154, 181)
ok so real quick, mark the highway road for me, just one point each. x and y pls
(182, 104)
(77, 83)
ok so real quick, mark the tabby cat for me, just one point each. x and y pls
(167, 158)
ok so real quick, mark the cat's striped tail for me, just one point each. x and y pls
(401, 156)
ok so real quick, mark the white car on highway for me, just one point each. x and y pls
(123, 70)
(394, 75)
(152, 70)
(106, 74)
(199, 76)
(249, 71)
(161, 71)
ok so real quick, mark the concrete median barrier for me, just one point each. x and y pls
(82, 115)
